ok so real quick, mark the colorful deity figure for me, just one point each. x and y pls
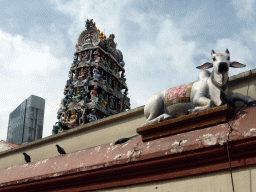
(117, 72)
(109, 64)
(85, 56)
(89, 38)
(65, 100)
(116, 86)
(65, 92)
(64, 116)
(94, 95)
(71, 90)
(102, 36)
(75, 60)
(73, 118)
(92, 116)
(96, 55)
(83, 74)
(86, 100)
(80, 55)
(96, 74)
(115, 69)
(87, 73)
(104, 84)
(82, 111)
(77, 47)
(79, 91)
(70, 75)
(86, 90)
(76, 76)
(102, 57)
(104, 103)
(83, 119)
(112, 104)
(119, 104)
(100, 97)
(78, 82)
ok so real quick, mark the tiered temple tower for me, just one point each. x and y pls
(96, 87)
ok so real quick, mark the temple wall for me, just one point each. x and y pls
(103, 131)
(4, 146)
(221, 181)
(243, 83)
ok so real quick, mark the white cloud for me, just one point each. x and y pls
(153, 46)
(238, 52)
(244, 9)
(107, 14)
(159, 52)
(29, 68)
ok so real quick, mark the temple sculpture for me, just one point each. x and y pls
(210, 90)
(96, 85)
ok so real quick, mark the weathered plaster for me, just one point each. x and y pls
(108, 155)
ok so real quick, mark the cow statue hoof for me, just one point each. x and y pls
(164, 117)
(191, 111)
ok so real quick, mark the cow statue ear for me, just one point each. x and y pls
(205, 66)
(236, 64)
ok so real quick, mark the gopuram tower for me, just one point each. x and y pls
(96, 87)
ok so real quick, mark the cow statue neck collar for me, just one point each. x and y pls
(218, 85)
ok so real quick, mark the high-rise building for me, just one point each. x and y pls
(26, 121)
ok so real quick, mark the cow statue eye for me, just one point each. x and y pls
(214, 59)
(228, 58)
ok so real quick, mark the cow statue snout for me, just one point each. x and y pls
(223, 67)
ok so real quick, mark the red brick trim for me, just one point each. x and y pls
(202, 161)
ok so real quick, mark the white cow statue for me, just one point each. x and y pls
(208, 91)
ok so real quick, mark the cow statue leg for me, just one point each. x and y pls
(155, 110)
(201, 104)
(198, 97)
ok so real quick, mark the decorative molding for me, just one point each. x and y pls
(186, 123)
(145, 171)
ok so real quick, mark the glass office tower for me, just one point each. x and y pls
(26, 121)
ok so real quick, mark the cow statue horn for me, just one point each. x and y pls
(227, 51)
(213, 52)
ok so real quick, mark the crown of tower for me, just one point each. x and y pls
(89, 23)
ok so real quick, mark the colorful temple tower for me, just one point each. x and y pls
(96, 87)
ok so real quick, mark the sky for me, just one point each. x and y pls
(162, 43)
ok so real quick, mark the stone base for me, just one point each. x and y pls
(207, 118)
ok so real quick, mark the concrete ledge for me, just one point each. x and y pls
(242, 76)
(107, 166)
(192, 122)
(100, 132)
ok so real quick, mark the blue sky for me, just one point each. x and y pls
(162, 43)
